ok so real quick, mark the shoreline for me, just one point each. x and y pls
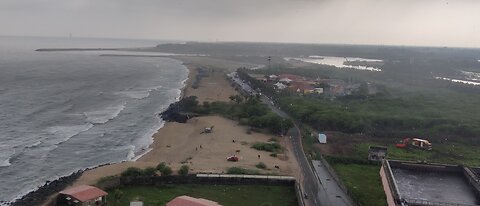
(69, 179)
(177, 143)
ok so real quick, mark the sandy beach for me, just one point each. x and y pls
(177, 143)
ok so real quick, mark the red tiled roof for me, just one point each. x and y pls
(301, 86)
(191, 201)
(84, 192)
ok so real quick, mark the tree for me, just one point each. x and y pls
(150, 171)
(184, 169)
(132, 172)
(161, 166)
(236, 98)
(166, 171)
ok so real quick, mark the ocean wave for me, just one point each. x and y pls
(140, 93)
(64, 133)
(104, 115)
(5, 157)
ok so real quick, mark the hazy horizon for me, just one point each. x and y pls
(367, 22)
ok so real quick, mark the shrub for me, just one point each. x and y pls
(161, 166)
(269, 147)
(273, 155)
(132, 172)
(150, 171)
(241, 171)
(184, 169)
(261, 165)
(166, 171)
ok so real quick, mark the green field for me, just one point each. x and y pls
(227, 195)
(363, 182)
(447, 153)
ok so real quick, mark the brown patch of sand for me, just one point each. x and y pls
(208, 152)
(176, 143)
(213, 87)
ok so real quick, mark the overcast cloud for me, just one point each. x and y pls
(398, 22)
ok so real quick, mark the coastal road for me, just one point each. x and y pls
(319, 185)
(315, 193)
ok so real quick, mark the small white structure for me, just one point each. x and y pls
(273, 77)
(318, 90)
(322, 138)
(280, 85)
(136, 203)
(285, 80)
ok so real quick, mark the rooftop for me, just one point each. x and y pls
(191, 201)
(84, 192)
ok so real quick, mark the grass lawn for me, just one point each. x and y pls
(227, 195)
(363, 182)
(446, 153)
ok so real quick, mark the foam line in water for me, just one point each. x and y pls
(104, 115)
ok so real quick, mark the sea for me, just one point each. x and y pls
(61, 112)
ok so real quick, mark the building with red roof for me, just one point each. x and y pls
(83, 195)
(191, 201)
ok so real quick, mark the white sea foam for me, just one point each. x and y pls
(140, 93)
(473, 76)
(459, 81)
(67, 132)
(5, 155)
(5, 162)
(104, 115)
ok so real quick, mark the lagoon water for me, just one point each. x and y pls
(338, 62)
(65, 111)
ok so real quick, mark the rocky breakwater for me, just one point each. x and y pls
(181, 111)
(39, 196)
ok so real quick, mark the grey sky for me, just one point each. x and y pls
(398, 22)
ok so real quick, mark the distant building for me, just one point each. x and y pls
(292, 77)
(285, 80)
(376, 153)
(191, 201)
(280, 86)
(273, 77)
(318, 90)
(83, 195)
(301, 87)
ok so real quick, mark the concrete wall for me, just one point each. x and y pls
(386, 187)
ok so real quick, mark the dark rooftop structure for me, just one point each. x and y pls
(377, 153)
(418, 184)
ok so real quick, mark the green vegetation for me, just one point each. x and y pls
(228, 195)
(161, 165)
(242, 171)
(269, 147)
(132, 172)
(363, 182)
(261, 165)
(184, 169)
(448, 153)
(383, 116)
(150, 171)
(166, 171)
(248, 111)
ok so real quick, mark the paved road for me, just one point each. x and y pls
(308, 182)
(335, 194)
(315, 192)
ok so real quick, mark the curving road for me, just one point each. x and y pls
(315, 193)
